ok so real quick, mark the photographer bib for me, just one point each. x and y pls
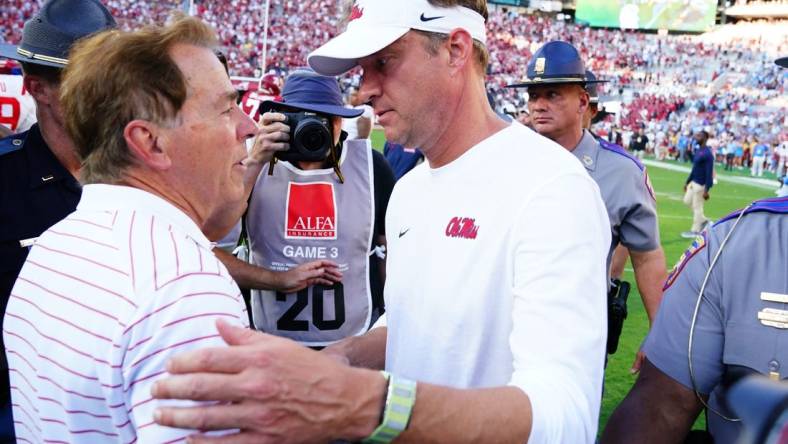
(297, 216)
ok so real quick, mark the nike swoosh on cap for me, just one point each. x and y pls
(429, 19)
(403, 232)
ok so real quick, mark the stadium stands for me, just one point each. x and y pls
(666, 83)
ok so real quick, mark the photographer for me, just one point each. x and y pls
(320, 198)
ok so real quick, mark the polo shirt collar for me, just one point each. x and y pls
(103, 197)
(42, 164)
(587, 151)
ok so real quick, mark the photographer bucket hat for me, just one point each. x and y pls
(307, 90)
(48, 36)
(556, 62)
(375, 24)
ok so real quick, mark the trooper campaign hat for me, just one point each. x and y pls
(48, 36)
(556, 62)
(592, 89)
(307, 90)
(592, 86)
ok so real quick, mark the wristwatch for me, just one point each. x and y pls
(400, 397)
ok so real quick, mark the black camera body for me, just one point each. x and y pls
(311, 137)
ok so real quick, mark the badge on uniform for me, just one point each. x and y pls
(697, 245)
(539, 65)
(773, 317)
(28, 243)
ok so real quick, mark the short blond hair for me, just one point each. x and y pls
(115, 77)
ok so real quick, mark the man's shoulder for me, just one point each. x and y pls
(526, 150)
(616, 153)
(776, 206)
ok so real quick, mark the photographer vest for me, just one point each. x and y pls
(297, 216)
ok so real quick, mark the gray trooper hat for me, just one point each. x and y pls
(48, 36)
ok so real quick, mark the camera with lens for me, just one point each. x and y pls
(311, 137)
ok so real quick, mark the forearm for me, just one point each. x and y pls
(650, 275)
(247, 275)
(442, 414)
(618, 262)
(636, 419)
(367, 350)
(253, 169)
(655, 402)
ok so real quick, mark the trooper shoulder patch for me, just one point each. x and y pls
(696, 246)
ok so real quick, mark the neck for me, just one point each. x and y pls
(57, 140)
(570, 139)
(471, 121)
(318, 165)
(170, 192)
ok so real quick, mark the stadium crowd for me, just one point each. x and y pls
(663, 84)
(695, 99)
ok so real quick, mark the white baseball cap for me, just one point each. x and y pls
(375, 24)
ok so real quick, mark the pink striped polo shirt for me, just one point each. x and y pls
(105, 297)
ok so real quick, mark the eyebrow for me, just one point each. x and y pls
(230, 96)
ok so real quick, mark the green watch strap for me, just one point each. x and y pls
(400, 397)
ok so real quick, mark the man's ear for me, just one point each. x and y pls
(585, 100)
(38, 88)
(460, 49)
(143, 139)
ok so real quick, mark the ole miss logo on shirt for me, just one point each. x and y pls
(462, 227)
(311, 211)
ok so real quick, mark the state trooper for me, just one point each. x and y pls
(39, 168)
(723, 317)
(558, 101)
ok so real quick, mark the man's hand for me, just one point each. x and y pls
(638, 362)
(274, 136)
(252, 276)
(705, 195)
(272, 389)
(685, 187)
(305, 275)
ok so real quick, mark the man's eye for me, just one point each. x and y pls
(382, 62)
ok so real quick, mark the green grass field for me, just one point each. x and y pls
(674, 218)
